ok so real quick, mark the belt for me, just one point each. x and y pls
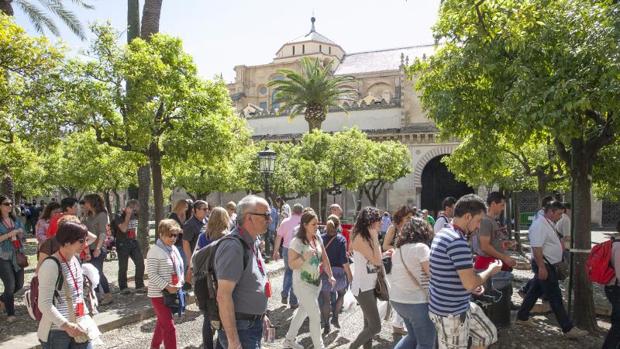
(250, 317)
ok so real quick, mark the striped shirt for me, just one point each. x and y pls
(449, 253)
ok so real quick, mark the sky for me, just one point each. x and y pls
(223, 34)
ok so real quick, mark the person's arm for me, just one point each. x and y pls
(276, 247)
(295, 259)
(124, 225)
(389, 238)
(226, 306)
(48, 277)
(372, 254)
(154, 264)
(327, 267)
(487, 247)
(540, 262)
(426, 267)
(471, 280)
(100, 225)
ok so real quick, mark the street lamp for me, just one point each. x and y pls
(266, 165)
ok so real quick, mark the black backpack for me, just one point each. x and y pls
(205, 279)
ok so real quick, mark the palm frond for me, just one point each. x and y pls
(40, 20)
(84, 4)
(67, 16)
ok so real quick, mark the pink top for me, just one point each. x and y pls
(287, 228)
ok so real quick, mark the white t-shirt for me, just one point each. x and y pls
(309, 271)
(402, 288)
(542, 234)
(440, 223)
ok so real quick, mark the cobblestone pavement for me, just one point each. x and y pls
(546, 335)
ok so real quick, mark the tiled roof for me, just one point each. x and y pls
(312, 36)
(382, 60)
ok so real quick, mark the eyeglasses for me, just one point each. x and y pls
(173, 236)
(265, 215)
(9, 204)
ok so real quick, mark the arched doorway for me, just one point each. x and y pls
(437, 183)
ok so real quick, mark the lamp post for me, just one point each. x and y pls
(266, 165)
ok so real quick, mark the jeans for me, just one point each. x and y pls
(550, 288)
(269, 242)
(129, 249)
(287, 284)
(250, 334)
(207, 334)
(308, 308)
(164, 328)
(61, 340)
(98, 263)
(13, 281)
(612, 340)
(372, 322)
(420, 329)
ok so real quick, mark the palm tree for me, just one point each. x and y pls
(312, 91)
(40, 18)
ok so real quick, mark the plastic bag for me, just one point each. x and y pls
(385, 309)
(349, 301)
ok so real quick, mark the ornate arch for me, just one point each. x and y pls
(433, 153)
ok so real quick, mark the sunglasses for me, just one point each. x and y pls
(9, 204)
(265, 215)
(173, 236)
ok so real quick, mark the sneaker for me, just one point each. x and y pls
(335, 322)
(576, 333)
(294, 306)
(106, 299)
(284, 300)
(399, 331)
(326, 330)
(291, 344)
(125, 292)
(527, 323)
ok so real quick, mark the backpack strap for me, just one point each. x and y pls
(244, 246)
(60, 279)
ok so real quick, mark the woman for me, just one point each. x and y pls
(305, 254)
(58, 328)
(408, 283)
(12, 275)
(402, 215)
(51, 245)
(217, 227)
(366, 263)
(165, 269)
(178, 214)
(97, 222)
(44, 221)
(336, 249)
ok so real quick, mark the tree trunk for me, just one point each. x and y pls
(7, 187)
(543, 184)
(150, 18)
(144, 191)
(158, 186)
(6, 7)
(133, 20)
(358, 205)
(323, 213)
(315, 198)
(517, 218)
(584, 315)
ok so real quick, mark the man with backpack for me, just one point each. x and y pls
(546, 256)
(243, 288)
(125, 229)
(445, 217)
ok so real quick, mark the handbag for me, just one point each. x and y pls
(21, 258)
(387, 264)
(381, 289)
(171, 300)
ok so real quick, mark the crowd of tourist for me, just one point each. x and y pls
(442, 276)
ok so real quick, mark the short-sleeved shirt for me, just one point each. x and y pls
(563, 225)
(491, 228)
(542, 234)
(402, 288)
(285, 230)
(132, 227)
(440, 223)
(97, 225)
(192, 229)
(337, 250)
(249, 293)
(449, 254)
(308, 273)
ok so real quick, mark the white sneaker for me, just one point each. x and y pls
(576, 333)
(291, 344)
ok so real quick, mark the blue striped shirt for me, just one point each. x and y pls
(449, 253)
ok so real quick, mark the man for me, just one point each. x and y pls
(191, 231)
(454, 280)
(68, 207)
(336, 210)
(386, 221)
(284, 208)
(125, 228)
(284, 237)
(242, 293)
(445, 216)
(491, 241)
(563, 227)
(231, 208)
(547, 251)
(271, 232)
(427, 217)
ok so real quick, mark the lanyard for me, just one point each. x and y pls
(75, 283)
(256, 253)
